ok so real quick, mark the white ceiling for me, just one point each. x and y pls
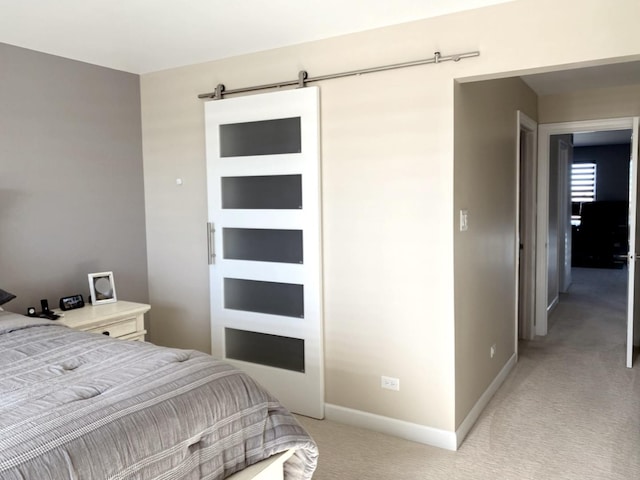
(142, 36)
(563, 81)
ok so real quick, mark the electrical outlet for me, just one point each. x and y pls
(390, 383)
(492, 351)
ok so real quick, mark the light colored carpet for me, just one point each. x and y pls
(569, 409)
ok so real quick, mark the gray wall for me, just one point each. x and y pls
(71, 184)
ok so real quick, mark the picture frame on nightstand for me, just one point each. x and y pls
(102, 288)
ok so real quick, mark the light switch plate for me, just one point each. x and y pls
(464, 220)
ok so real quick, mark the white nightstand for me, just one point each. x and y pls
(119, 319)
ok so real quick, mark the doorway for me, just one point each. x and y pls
(550, 209)
(525, 272)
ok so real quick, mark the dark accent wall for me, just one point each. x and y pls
(612, 169)
(71, 178)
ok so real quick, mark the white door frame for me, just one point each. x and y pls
(526, 201)
(544, 133)
(633, 329)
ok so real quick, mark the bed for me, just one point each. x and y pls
(77, 405)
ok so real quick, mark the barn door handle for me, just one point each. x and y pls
(211, 243)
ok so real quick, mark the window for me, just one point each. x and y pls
(583, 188)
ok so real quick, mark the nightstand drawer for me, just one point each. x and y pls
(118, 329)
(119, 319)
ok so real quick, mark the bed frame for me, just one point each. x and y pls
(271, 468)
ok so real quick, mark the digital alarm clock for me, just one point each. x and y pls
(69, 303)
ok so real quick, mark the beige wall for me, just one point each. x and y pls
(485, 184)
(377, 187)
(593, 104)
(388, 198)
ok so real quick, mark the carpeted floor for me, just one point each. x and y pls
(569, 409)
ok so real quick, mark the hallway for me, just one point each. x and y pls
(592, 314)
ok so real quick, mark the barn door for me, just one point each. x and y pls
(263, 175)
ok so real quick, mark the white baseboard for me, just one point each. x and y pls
(472, 417)
(413, 431)
(391, 426)
(554, 303)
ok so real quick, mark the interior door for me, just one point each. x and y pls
(263, 176)
(527, 141)
(633, 314)
(565, 158)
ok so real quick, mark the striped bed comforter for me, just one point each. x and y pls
(77, 405)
